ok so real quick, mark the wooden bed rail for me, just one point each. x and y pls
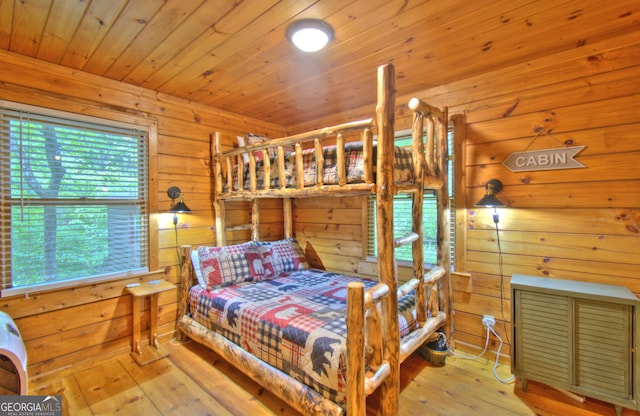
(299, 396)
(373, 381)
(418, 106)
(304, 137)
(223, 164)
(416, 338)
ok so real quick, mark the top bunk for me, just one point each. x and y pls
(346, 159)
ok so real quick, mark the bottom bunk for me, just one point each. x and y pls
(301, 333)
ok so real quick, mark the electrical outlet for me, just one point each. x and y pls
(488, 321)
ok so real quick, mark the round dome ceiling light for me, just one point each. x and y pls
(310, 35)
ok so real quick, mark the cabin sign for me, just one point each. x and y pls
(544, 159)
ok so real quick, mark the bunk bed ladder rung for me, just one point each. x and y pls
(239, 227)
(404, 240)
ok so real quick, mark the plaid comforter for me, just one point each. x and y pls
(403, 167)
(295, 323)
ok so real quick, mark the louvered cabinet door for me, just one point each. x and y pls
(543, 342)
(603, 348)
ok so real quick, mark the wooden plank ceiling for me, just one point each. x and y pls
(233, 55)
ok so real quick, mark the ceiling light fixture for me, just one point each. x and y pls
(310, 35)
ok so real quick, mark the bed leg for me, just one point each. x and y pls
(185, 284)
(356, 402)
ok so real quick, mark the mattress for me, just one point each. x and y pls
(295, 322)
(354, 160)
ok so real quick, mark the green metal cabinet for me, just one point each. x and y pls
(577, 336)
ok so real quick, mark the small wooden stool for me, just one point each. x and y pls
(153, 351)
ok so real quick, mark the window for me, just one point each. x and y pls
(402, 221)
(73, 197)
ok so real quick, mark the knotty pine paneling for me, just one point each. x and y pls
(576, 224)
(68, 326)
(587, 95)
(329, 230)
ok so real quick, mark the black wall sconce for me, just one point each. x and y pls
(493, 186)
(177, 207)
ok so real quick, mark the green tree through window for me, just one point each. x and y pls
(74, 197)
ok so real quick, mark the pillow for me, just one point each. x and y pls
(223, 266)
(256, 139)
(282, 256)
(241, 143)
(195, 261)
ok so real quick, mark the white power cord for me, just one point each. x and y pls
(495, 366)
(484, 350)
(469, 357)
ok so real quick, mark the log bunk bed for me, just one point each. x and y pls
(374, 346)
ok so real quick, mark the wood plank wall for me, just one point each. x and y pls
(579, 224)
(64, 327)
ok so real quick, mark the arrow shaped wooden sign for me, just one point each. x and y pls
(544, 159)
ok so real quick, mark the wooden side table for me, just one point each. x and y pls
(153, 351)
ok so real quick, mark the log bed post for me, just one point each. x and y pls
(288, 217)
(218, 204)
(444, 249)
(416, 214)
(255, 219)
(185, 285)
(356, 403)
(385, 112)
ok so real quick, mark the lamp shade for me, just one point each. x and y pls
(179, 207)
(310, 35)
(489, 201)
(493, 186)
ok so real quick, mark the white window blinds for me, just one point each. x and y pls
(73, 197)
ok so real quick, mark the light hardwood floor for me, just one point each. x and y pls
(195, 381)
